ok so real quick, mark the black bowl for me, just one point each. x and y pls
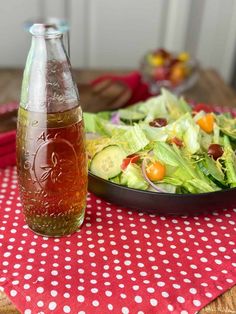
(161, 203)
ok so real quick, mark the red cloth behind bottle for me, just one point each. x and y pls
(7, 149)
(134, 81)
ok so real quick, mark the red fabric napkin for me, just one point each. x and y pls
(7, 149)
(8, 140)
(133, 81)
(120, 261)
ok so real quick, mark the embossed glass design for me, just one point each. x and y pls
(51, 158)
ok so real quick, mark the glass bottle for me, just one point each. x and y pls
(51, 158)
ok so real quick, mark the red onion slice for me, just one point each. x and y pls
(115, 119)
(156, 188)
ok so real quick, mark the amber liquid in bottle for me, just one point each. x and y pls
(52, 170)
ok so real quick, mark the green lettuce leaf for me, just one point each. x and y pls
(133, 178)
(227, 125)
(229, 162)
(131, 140)
(175, 107)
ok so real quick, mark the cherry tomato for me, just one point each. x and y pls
(206, 123)
(156, 171)
(158, 122)
(215, 150)
(203, 107)
(177, 141)
(129, 159)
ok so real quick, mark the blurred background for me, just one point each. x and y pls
(113, 34)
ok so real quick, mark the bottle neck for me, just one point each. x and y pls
(47, 83)
(49, 48)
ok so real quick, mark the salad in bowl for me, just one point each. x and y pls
(163, 145)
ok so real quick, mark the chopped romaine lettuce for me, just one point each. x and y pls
(230, 162)
(227, 125)
(131, 140)
(133, 178)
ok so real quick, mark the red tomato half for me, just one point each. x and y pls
(203, 107)
(129, 159)
(177, 141)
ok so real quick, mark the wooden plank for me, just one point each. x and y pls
(210, 87)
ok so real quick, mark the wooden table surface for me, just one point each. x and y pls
(210, 89)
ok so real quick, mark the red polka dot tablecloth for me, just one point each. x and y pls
(120, 261)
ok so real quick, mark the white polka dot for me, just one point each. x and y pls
(27, 311)
(15, 282)
(80, 298)
(125, 310)
(180, 299)
(40, 303)
(153, 302)
(54, 283)
(40, 289)
(27, 276)
(53, 293)
(138, 299)
(150, 290)
(165, 294)
(52, 305)
(13, 293)
(222, 249)
(66, 309)
(218, 262)
(170, 307)
(108, 293)
(161, 284)
(229, 280)
(95, 303)
(110, 307)
(192, 290)
(196, 302)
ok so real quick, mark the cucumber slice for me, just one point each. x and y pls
(131, 116)
(106, 163)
